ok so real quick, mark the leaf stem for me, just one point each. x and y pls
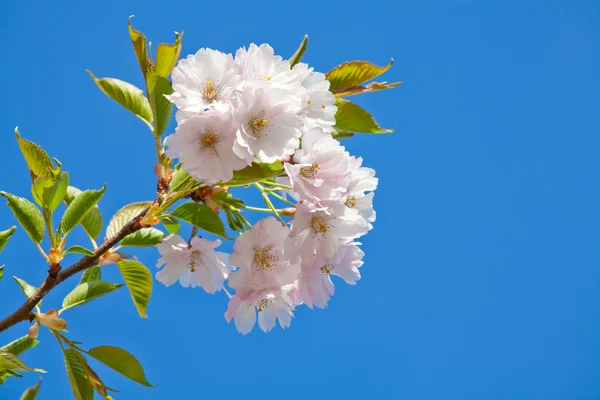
(275, 184)
(268, 202)
(275, 194)
(49, 225)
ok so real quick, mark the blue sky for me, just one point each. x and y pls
(481, 277)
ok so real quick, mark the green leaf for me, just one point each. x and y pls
(121, 361)
(86, 292)
(79, 207)
(127, 95)
(31, 392)
(37, 159)
(26, 288)
(1, 272)
(371, 87)
(48, 192)
(255, 172)
(92, 222)
(79, 250)
(167, 56)
(28, 215)
(139, 282)
(181, 179)
(124, 215)
(80, 384)
(353, 73)
(139, 45)
(146, 237)
(5, 235)
(341, 134)
(162, 108)
(9, 361)
(295, 59)
(171, 225)
(20, 345)
(91, 274)
(202, 216)
(351, 117)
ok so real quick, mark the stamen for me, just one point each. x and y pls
(265, 260)
(258, 123)
(351, 201)
(210, 92)
(309, 172)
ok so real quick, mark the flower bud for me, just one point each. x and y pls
(51, 320)
(150, 219)
(289, 211)
(55, 256)
(34, 330)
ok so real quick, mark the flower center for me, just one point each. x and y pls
(327, 269)
(209, 91)
(320, 225)
(195, 260)
(258, 123)
(264, 303)
(265, 260)
(351, 201)
(264, 76)
(209, 139)
(309, 172)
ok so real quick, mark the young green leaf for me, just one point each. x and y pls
(28, 215)
(181, 179)
(91, 274)
(171, 225)
(255, 172)
(124, 215)
(162, 108)
(5, 235)
(341, 134)
(167, 56)
(26, 288)
(48, 192)
(146, 237)
(295, 59)
(121, 361)
(201, 216)
(9, 361)
(79, 250)
(139, 282)
(31, 392)
(37, 159)
(79, 207)
(127, 95)
(20, 345)
(139, 46)
(353, 73)
(92, 222)
(351, 117)
(78, 378)
(1, 272)
(86, 292)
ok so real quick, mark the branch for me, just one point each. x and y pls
(24, 312)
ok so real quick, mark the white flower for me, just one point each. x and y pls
(204, 146)
(259, 63)
(362, 180)
(204, 80)
(271, 306)
(309, 138)
(258, 254)
(318, 106)
(323, 173)
(195, 265)
(322, 230)
(268, 127)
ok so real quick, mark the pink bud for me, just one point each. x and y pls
(34, 330)
(51, 320)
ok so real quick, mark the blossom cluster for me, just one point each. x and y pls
(256, 107)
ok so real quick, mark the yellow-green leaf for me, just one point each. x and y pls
(351, 117)
(31, 392)
(201, 216)
(28, 215)
(91, 274)
(295, 59)
(26, 288)
(20, 345)
(167, 56)
(171, 225)
(5, 235)
(353, 73)
(158, 87)
(79, 207)
(139, 46)
(146, 237)
(48, 192)
(121, 361)
(124, 215)
(9, 361)
(127, 95)
(79, 250)
(254, 172)
(371, 87)
(139, 282)
(92, 222)
(37, 159)
(78, 378)
(86, 292)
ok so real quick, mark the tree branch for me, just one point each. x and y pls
(24, 312)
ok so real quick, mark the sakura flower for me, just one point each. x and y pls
(309, 138)
(322, 174)
(322, 231)
(204, 80)
(204, 145)
(259, 63)
(271, 305)
(268, 126)
(318, 106)
(196, 264)
(361, 180)
(258, 254)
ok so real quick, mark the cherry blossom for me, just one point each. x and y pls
(318, 105)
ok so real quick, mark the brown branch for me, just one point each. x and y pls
(24, 312)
